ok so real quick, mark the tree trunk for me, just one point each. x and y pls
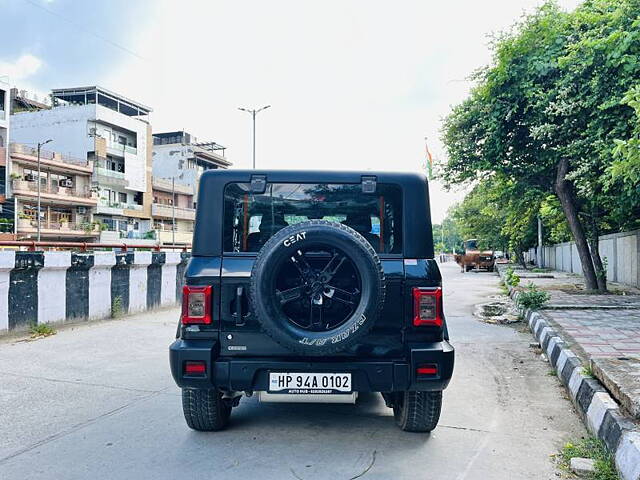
(520, 257)
(594, 235)
(564, 191)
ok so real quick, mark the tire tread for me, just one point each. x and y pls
(204, 410)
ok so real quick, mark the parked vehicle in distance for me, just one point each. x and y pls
(312, 287)
(474, 258)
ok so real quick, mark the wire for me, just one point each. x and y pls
(79, 26)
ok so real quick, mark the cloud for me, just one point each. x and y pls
(22, 68)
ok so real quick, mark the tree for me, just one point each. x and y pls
(545, 115)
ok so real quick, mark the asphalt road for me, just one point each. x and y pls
(97, 402)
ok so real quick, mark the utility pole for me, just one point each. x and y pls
(540, 259)
(173, 210)
(253, 113)
(40, 144)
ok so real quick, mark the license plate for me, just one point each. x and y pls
(309, 383)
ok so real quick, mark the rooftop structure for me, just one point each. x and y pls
(99, 96)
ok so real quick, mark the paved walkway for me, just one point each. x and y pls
(602, 329)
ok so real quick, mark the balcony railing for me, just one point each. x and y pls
(107, 172)
(167, 211)
(19, 148)
(119, 148)
(27, 225)
(64, 191)
(118, 205)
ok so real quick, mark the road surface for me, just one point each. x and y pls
(97, 401)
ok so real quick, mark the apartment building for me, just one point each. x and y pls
(172, 202)
(7, 216)
(180, 156)
(67, 200)
(113, 134)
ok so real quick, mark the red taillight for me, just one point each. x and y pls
(427, 307)
(196, 304)
(427, 369)
(195, 368)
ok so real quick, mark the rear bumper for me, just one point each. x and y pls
(251, 374)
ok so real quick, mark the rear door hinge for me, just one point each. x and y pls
(258, 184)
(369, 183)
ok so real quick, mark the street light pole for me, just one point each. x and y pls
(40, 144)
(253, 113)
(173, 210)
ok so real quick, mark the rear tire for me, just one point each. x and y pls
(205, 410)
(417, 411)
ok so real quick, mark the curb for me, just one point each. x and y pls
(598, 410)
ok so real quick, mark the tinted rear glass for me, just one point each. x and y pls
(251, 219)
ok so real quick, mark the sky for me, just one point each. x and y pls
(354, 85)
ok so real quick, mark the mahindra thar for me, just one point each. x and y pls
(311, 286)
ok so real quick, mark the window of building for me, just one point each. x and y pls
(122, 197)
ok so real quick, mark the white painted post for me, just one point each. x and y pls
(138, 281)
(169, 272)
(52, 287)
(7, 263)
(100, 285)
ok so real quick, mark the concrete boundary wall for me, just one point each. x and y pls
(58, 287)
(620, 252)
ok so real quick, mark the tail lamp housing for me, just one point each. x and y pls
(196, 305)
(427, 307)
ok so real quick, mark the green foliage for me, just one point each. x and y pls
(41, 330)
(587, 371)
(532, 298)
(117, 309)
(447, 236)
(511, 278)
(590, 448)
(562, 86)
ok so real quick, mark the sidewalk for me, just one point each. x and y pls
(603, 330)
(587, 335)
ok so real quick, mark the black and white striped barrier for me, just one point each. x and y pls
(54, 287)
(599, 411)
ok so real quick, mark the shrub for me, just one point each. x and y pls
(117, 309)
(511, 278)
(41, 330)
(532, 298)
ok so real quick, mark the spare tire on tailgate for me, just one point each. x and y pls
(317, 287)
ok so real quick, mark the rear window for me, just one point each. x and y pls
(251, 219)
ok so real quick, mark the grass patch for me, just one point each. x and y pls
(41, 330)
(117, 309)
(552, 373)
(590, 448)
(587, 371)
(540, 270)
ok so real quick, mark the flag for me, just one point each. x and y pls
(429, 159)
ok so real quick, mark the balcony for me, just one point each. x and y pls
(52, 194)
(166, 185)
(116, 208)
(27, 155)
(106, 176)
(166, 211)
(183, 238)
(119, 149)
(29, 228)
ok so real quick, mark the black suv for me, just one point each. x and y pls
(312, 286)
